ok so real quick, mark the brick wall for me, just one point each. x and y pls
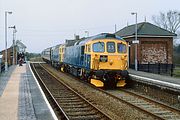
(152, 50)
(155, 50)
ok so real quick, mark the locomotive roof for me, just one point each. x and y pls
(100, 36)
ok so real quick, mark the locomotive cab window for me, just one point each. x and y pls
(110, 47)
(98, 47)
(121, 48)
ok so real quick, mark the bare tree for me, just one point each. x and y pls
(169, 21)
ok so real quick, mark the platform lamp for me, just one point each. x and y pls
(6, 64)
(136, 41)
(14, 32)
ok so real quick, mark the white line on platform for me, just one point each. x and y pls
(49, 106)
(157, 81)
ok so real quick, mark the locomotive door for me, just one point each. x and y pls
(82, 55)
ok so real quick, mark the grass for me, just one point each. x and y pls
(176, 72)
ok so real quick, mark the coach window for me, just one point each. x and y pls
(98, 47)
(110, 47)
(121, 48)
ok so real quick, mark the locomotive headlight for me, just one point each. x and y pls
(123, 57)
(110, 62)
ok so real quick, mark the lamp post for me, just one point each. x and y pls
(14, 32)
(135, 41)
(6, 64)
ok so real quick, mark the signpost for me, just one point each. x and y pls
(0, 62)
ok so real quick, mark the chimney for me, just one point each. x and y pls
(76, 37)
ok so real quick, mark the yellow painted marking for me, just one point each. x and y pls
(97, 83)
(121, 83)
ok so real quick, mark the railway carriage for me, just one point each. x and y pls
(55, 56)
(46, 55)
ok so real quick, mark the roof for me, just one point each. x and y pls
(144, 28)
(20, 44)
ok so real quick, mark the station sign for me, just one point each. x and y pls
(135, 41)
(1, 58)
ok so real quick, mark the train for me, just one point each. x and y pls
(101, 60)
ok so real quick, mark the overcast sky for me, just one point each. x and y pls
(44, 23)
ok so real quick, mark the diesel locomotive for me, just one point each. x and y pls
(100, 60)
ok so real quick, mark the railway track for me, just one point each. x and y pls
(66, 102)
(149, 106)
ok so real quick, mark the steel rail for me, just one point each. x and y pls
(47, 92)
(84, 99)
(151, 100)
(123, 101)
(119, 99)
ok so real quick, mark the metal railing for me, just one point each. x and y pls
(2, 67)
(176, 70)
(159, 68)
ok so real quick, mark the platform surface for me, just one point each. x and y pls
(155, 76)
(163, 81)
(20, 97)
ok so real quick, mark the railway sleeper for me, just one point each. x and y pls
(84, 117)
(77, 106)
(171, 117)
(160, 112)
(83, 109)
(79, 113)
(71, 104)
(69, 98)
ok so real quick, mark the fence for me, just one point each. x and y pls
(159, 68)
(176, 70)
(2, 67)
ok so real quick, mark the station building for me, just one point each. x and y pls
(19, 50)
(155, 47)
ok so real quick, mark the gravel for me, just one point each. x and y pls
(114, 108)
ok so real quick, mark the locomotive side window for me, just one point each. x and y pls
(98, 47)
(82, 50)
(121, 48)
(89, 48)
(110, 47)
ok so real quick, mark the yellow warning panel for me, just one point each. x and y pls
(121, 83)
(97, 83)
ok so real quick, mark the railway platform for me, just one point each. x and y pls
(21, 97)
(155, 79)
